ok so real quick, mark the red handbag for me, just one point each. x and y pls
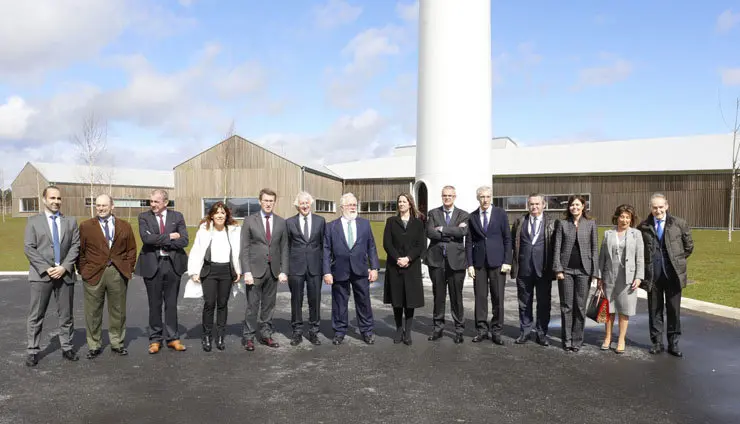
(598, 306)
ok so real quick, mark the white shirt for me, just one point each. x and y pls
(164, 217)
(488, 216)
(50, 222)
(301, 220)
(220, 248)
(264, 222)
(445, 212)
(537, 227)
(111, 227)
(345, 224)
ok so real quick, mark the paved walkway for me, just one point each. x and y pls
(426, 383)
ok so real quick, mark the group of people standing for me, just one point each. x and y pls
(304, 250)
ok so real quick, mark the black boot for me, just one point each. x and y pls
(398, 317)
(220, 344)
(407, 331)
(206, 342)
(399, 335)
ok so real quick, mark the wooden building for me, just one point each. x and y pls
(237, 169)
(129, 188)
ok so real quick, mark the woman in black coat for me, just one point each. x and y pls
(404, 241)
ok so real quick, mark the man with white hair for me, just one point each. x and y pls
(350, 260)
(306, 249)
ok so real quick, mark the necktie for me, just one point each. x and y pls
(107, 232)
(659, 230)
(161, 223)
(55, 240)
(485, 220)
(350, 235)
(447, 217)
(268, 233)
(305, 228)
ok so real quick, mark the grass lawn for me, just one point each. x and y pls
(714, 268)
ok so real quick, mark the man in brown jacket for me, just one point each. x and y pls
(106, 263)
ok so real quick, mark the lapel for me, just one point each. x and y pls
(528, 226)
(612, 242)
(399, 222)
(260, 224)
(100, 235)
(44, 222)
(62, 224)
(116, 231)
(340, 229)
(169, 220)
(474, 221)
(155, 220)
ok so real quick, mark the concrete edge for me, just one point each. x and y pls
(686, 303)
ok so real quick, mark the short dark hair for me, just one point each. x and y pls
(572, 199)
(628, 209)
(267, 191)
(50, 187)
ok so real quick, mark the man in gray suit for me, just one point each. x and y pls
(264, 260)
(51, 244)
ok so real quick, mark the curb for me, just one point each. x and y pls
(686, 303)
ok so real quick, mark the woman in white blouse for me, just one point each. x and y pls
(214, 262)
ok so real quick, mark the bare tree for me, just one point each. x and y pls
(733, 178)
(91, 142)
(2, 191)
(226, 161)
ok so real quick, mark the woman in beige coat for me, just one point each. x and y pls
(621, 270)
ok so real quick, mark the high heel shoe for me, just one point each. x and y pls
(605, 345)
(220, 345)
(206, 343)
(399, 336)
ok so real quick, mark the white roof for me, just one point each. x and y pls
(669, 154)
(77, 174)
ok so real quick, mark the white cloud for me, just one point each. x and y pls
(14, 118)
(335, 13)
(727, 20)
(730, 76)
(243, 79)
(408, 11)
(616, 70)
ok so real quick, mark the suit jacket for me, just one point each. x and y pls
(95, 253)
(306, 255)
(565, 239)
(38, 245)
(634, 265)
(490, 248)
(199, 258)
(679, 245)
(548, 225)
(256, 254)
(343, 262)
(452, 238)
(152, 241)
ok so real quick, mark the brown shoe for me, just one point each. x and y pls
(154, 347)
(176, 345)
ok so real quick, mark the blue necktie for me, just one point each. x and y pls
(659, 229)
(447, 217)
(55, 238)
(485, 220)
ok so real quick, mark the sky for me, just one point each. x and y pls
(335, 80)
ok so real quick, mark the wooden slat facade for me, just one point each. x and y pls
(30, 183)
(237, 168)
(701, 198)
(323, 188)
(378, 190)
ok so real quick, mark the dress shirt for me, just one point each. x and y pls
(353, 223)
(50, 223)
(111, 227)
(264, 221)
(537, 227)
(487, 211)
(220, 247)
(301, 221)
(445, 212)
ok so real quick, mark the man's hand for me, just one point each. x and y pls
(560, 276)
(439, 229)
(174, 236)
(471, 272)
(636, 284)
(373, 275)
(248, 279)
(283, 278)
(505, 268)
(56, 272)
(463, 225)
(328, 279)
(195, 277)
(403, 262)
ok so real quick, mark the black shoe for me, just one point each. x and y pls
(435, 336)
(120, 351)
(70, 355)
(523, 338)
(458, 338)
(575, 349)
(480, 337)
(337, 340)
(656, 349)
(369, 338)
(407, 338)
(220, 343)
(673, 350)
(207, 343)
(542, 340)
(314, 339)
(399, 336)
(32, 360)
(93, 353)
(296, 339)
(498, 340)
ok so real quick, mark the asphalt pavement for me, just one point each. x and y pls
(428, 382)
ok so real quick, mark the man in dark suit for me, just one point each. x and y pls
(447, 227)
(306, 246)
(668, 243)
(488, 249)
(532, 268)
(350, 260)
(264, 260)
(106, 263)
(51, 244)
(162, 261)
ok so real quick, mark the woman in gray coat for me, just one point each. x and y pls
(621, 270)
